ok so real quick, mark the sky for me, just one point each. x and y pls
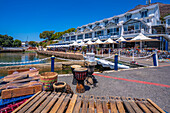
(26, 19)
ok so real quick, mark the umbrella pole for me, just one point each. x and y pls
(119, 54)
(109, 52)
(102, 52)
(140, 45)
(133, 59)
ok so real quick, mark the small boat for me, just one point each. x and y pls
(119, 66)
(17, 70)
(106, 63)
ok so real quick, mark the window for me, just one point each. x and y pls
(88, 35)
(113, 31)
(97, 24)
(79, 28)
(90, 26)
(67, 38)
(148, 20)
(116, 20)
(125, 28)
(131, 28)
(105, 22)
(99, 33)
(128, 16)
(84, 27)
(73, 37)
(137, 26)
(80, 37)
(168, 22)
(144, 14)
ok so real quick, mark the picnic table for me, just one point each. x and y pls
(52, 102)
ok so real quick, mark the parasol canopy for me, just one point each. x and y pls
(109, 41)
(98, 41)
(121, 39)
(89, 42)
(142, 37)
(74, 44)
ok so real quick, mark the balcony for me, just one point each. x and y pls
(132, 32)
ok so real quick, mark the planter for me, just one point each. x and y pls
(48, 78)
(59, 86)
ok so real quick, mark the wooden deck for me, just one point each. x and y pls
(52, 102)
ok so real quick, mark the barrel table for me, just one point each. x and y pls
(52, 102)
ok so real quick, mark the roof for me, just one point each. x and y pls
(135, 20)
(164, 8)
(167, 17)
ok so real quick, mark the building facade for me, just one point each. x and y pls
(144, 19)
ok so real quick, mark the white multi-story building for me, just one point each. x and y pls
(144, 19)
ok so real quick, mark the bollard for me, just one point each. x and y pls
(116, 62)
(52, 63)
(155, 59)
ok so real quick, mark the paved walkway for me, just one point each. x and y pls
(153, 83)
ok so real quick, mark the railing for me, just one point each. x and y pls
(26, 62)
(13, 48)
(132, 32)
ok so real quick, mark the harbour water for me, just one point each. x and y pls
(20, 57)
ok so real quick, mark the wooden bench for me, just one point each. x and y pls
(52, 102)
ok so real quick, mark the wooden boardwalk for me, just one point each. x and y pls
(52, 102)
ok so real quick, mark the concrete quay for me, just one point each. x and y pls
(152, 83)
(68, 55)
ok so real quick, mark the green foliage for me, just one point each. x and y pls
(50, 35)
(17, 43)
(41, 43)
(37, 45)
(32, 43)
(84, 48)
(7, 41)
(46, 35)
(44, 45)
(98, 49)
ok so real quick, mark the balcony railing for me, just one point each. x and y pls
(132, 32)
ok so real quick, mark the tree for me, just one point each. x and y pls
(46, 35)
(32, 43)
(41, 43)
(44, 45)
(17, 43)
(58, 35)
(8, 41)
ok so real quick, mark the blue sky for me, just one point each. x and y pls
(28, 18)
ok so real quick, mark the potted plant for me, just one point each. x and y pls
(98, 49)
(84, 48)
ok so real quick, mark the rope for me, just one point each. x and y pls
(68, 59)
(6, 63)
(138, 57)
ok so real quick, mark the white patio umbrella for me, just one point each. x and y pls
(89, 42)
(109, 41)
(98, 41)
(74, 44)
(82, 44)
(141, 38)
(121, 39)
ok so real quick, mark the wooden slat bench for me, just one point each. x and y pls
(52, 102)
